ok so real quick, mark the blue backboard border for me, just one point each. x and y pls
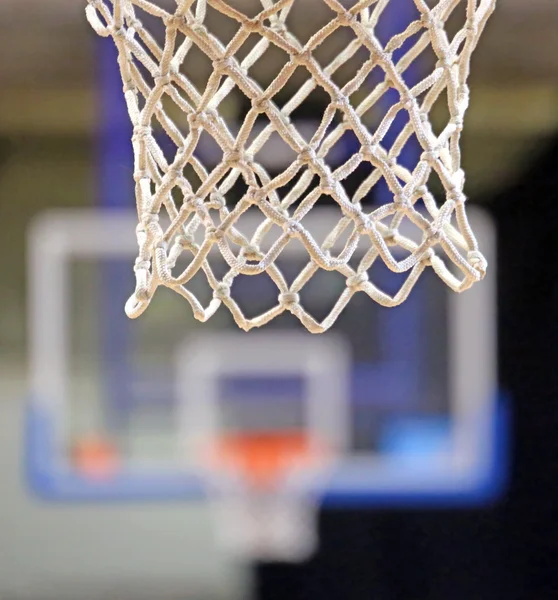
(50, 482)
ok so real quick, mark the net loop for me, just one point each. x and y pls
(201, 213)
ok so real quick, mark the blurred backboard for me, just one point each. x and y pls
(413, 389)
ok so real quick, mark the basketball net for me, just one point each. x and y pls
(260, 511)
(185, 208)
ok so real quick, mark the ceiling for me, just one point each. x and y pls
(49, 41)
(48, 51)
(47, 77)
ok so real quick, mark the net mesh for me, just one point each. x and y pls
(260, 515)
(185, 208)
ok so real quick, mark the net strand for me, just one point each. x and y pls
(154, 74)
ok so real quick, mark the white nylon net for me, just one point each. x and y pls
(183, 205)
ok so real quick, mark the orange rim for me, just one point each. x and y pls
(263, 458)
(95, 457)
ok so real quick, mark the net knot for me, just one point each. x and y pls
(217, 200)
(142, 264)
(355, 282)
(185, 241)
(141, 174)
(390, 237)
(289, 299)
(142, 132)
(428, 256)
(328, 184)
(199, 28)
(370, 152)
(477, 260)
(214, 235)
(447, 62)
(163, 79)
(119, 32)
(463, 90)
(128, 85)
(341, 102)
(430, 21)
(252, 25)
(402, 201)
(457, 196)
(302, 58)
(222, 292)
(384, 56)
(196, 120)
(174, 21)
(141, 294)
(285, 119)
(135, 24)
(430, 156)
(346, 19)
(254, 195)
(471, 27)
(224, 64)
(237, 158)
(407, 101)
(251, 252)
(363, 224)
(293, 228)
(457, 120)
(176, 169)
(261, 104)
(433, 234)
(346, 121)
(307, 156)
(193, 204)
(150, 219)
(421, 191)
(279, 27)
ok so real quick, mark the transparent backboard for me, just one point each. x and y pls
(408, 396)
